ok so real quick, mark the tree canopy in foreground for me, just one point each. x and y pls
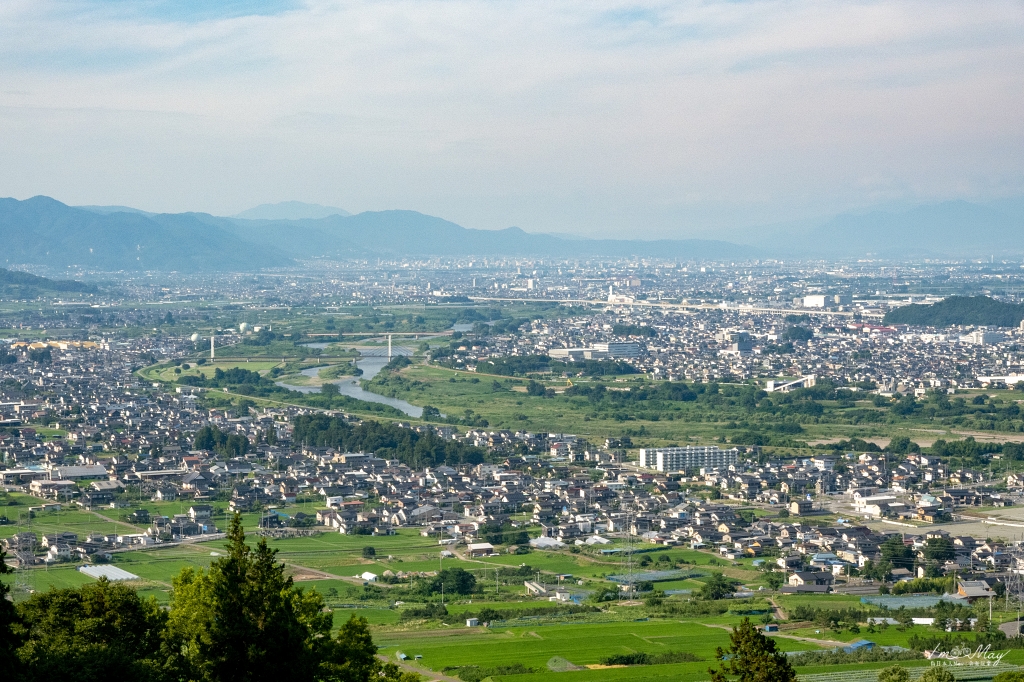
(243, 620)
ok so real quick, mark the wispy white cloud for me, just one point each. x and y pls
(647, 117)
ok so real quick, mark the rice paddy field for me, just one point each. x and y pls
(581, 645)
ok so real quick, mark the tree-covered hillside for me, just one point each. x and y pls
(969, 310)
(16, 284)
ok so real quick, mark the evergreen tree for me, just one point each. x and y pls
(10, 637)
(753, 658)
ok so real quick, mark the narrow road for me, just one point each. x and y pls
(418, 669)
(777, 612)
(827, 643)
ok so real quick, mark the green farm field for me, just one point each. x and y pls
(581, 644)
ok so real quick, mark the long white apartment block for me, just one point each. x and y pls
(689, 457)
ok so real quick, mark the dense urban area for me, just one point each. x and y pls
(521, 470)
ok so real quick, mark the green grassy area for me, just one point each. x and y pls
(582, 644)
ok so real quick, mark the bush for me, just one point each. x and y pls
(642, 658)
(894, 673)
(369, 552)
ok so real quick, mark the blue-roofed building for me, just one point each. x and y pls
(859, 644)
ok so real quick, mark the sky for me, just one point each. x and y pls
(598, 118)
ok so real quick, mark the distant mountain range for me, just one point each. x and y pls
(44, 231)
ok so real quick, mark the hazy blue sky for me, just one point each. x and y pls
(597, 117)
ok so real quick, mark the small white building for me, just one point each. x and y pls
(480, 549)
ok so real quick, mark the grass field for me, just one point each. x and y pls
(581, 644)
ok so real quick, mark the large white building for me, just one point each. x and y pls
(689, 457)
(619, 349)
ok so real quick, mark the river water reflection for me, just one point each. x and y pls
(350, 386)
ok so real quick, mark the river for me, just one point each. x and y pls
(350, 386)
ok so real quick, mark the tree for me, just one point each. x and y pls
(937, 674)
(369, 552)
(244, 621)
(774, 580)
(904, 618)
(455, 580)
(897, 553)
(939, 549)
(752, 657)
(10, 622)
(329, 390)
(894, 673)
(102, 631)
(716, 586)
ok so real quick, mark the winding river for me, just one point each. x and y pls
(349, 386)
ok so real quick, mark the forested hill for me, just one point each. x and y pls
(15, 284)
(955, 310)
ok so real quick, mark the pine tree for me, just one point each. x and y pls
(255, 633)
(753, 658)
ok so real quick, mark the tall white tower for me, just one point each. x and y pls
(211, 347)
(389, 347)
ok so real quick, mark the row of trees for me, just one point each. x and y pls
(241, 621)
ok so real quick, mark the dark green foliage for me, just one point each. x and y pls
(264, 337)
(939, 549)
(11, 636)
(1010, 676)
(369, 552)
(752, 658)
(797, 333)
(897, 553)
(41, 355)
(855, 444)
(642, 658)
(16, 284)
(474, 673)
(396, 363)
(212, 438)
(102, 631)
(521, 365)
(386, 440)
(535, 389)
(504, 535)
(454, 580)
(716, 586)
(634, 330)
(902, 445)
(862, 655)
(244, 621)
(958, 310)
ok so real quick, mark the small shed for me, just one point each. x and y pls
(472, 622)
